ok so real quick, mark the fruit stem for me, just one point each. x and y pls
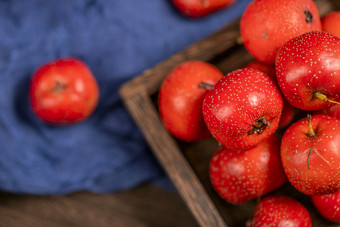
(311, 132)
(206, 86)
(323, 97)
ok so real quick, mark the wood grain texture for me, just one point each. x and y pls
(144, 206)
(187, 163)
(172, 159)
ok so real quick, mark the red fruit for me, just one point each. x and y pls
(328, 205)
(287, 116)
(288, 111)
(180, 99)
(63, 92)
(330, 23)
(281, 211)
(200, 8)
(266, 68)
(310, 154)
(308, 70)
(333, 111)
(243, 109)
(238, 176)
(267, 24)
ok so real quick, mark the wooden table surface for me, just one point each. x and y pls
(145, 205)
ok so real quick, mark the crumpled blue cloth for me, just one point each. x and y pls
(118, 39)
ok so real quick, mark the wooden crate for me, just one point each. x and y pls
(187, 163)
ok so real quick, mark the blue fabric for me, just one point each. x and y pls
(118, 39)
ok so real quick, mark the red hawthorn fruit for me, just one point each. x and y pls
(180, 99)
(288, 111)
(200, 8)
(287, 116)
(266, 68)
(63, 92)
(243, 109)
(280, 211)
(310, 154)
(267, 24)
(239, 176)
(331, 23)
(333, 111)
(328, 205)
(308, 70)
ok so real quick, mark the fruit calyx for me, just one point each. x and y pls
(206, 86)
(309, 16)
(323, 97)
(59, 87)
(259, 126)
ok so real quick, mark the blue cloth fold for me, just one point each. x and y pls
(118, 39)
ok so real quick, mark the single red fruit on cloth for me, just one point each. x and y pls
(308, 70)
(288, 111)
(238, 176)
(63, 92)
(180, 99)
(243, 109)
(267, 24)
(331, 23)
(200, 8)
(328, 205)
(310, 154)
(281, 211)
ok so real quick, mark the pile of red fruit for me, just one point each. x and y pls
(297, 69)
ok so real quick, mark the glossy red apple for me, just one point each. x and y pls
(238, 176)
(180, 99)
(63, 91)
(243, 109)
(310, 154)
(200, 8)
(308, 70)
(267, 24)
